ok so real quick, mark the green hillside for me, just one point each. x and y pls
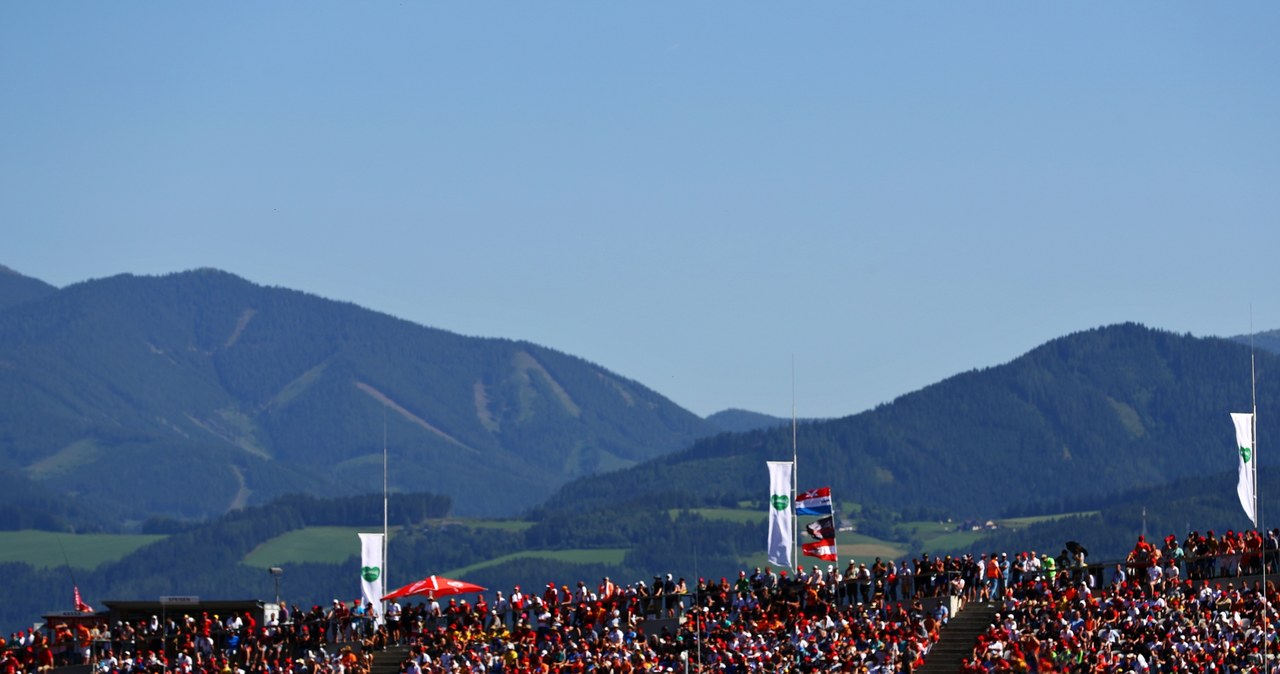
(320, 545)
(122, 390)
(1081, 417)
(55, 550)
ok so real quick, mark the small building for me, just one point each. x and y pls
(65, 630)
(119, 610)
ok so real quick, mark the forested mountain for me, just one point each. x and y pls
(16, 288)
(195, 393)
(1083, 416)
(741, 421)
(1265, 341)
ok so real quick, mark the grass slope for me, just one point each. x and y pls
(319, 545)
(47, 550)
(336, 545)
(613, 556)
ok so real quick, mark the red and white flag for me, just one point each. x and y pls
(824, 550)
(80, 605)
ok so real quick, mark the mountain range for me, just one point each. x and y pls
(195, 393)
(1076, 420)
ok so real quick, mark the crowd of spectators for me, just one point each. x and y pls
(1163, 609)
(768, 621)
(1156, 613)
(341, 638)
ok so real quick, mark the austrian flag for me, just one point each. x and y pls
(814, 502)
(824, 550)
(80, 605)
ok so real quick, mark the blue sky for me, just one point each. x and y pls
(694, 195)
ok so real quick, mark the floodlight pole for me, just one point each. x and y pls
(276, 572)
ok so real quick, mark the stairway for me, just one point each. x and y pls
(388, 661)
(956, 640)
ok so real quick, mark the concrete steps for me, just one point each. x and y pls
(388, 661)
(956, 640)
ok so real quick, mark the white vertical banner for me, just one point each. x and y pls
(780, 517)
(1248, 464)
(371, 573)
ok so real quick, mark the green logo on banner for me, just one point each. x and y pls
(779, 501)
(1246, 454)
(370, 573)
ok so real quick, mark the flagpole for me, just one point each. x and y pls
(71, 572)
(835, 531)
(1257, 493)
(1253, 389)
(795, 473)
(384, 508)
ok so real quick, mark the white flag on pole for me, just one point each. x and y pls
(1248, 464)
(780, 517)
(371, 573)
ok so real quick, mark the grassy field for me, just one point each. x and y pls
(735, 515)
(866, 549)
(943, 536)
(322, 545)
(598, 556)
(953, 540)
(45, 549)
(504, 525)
(1024, 522)
(335, 545)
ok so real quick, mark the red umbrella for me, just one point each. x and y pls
(436, 586)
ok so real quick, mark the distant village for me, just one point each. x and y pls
(976, 525)
(964, 525)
